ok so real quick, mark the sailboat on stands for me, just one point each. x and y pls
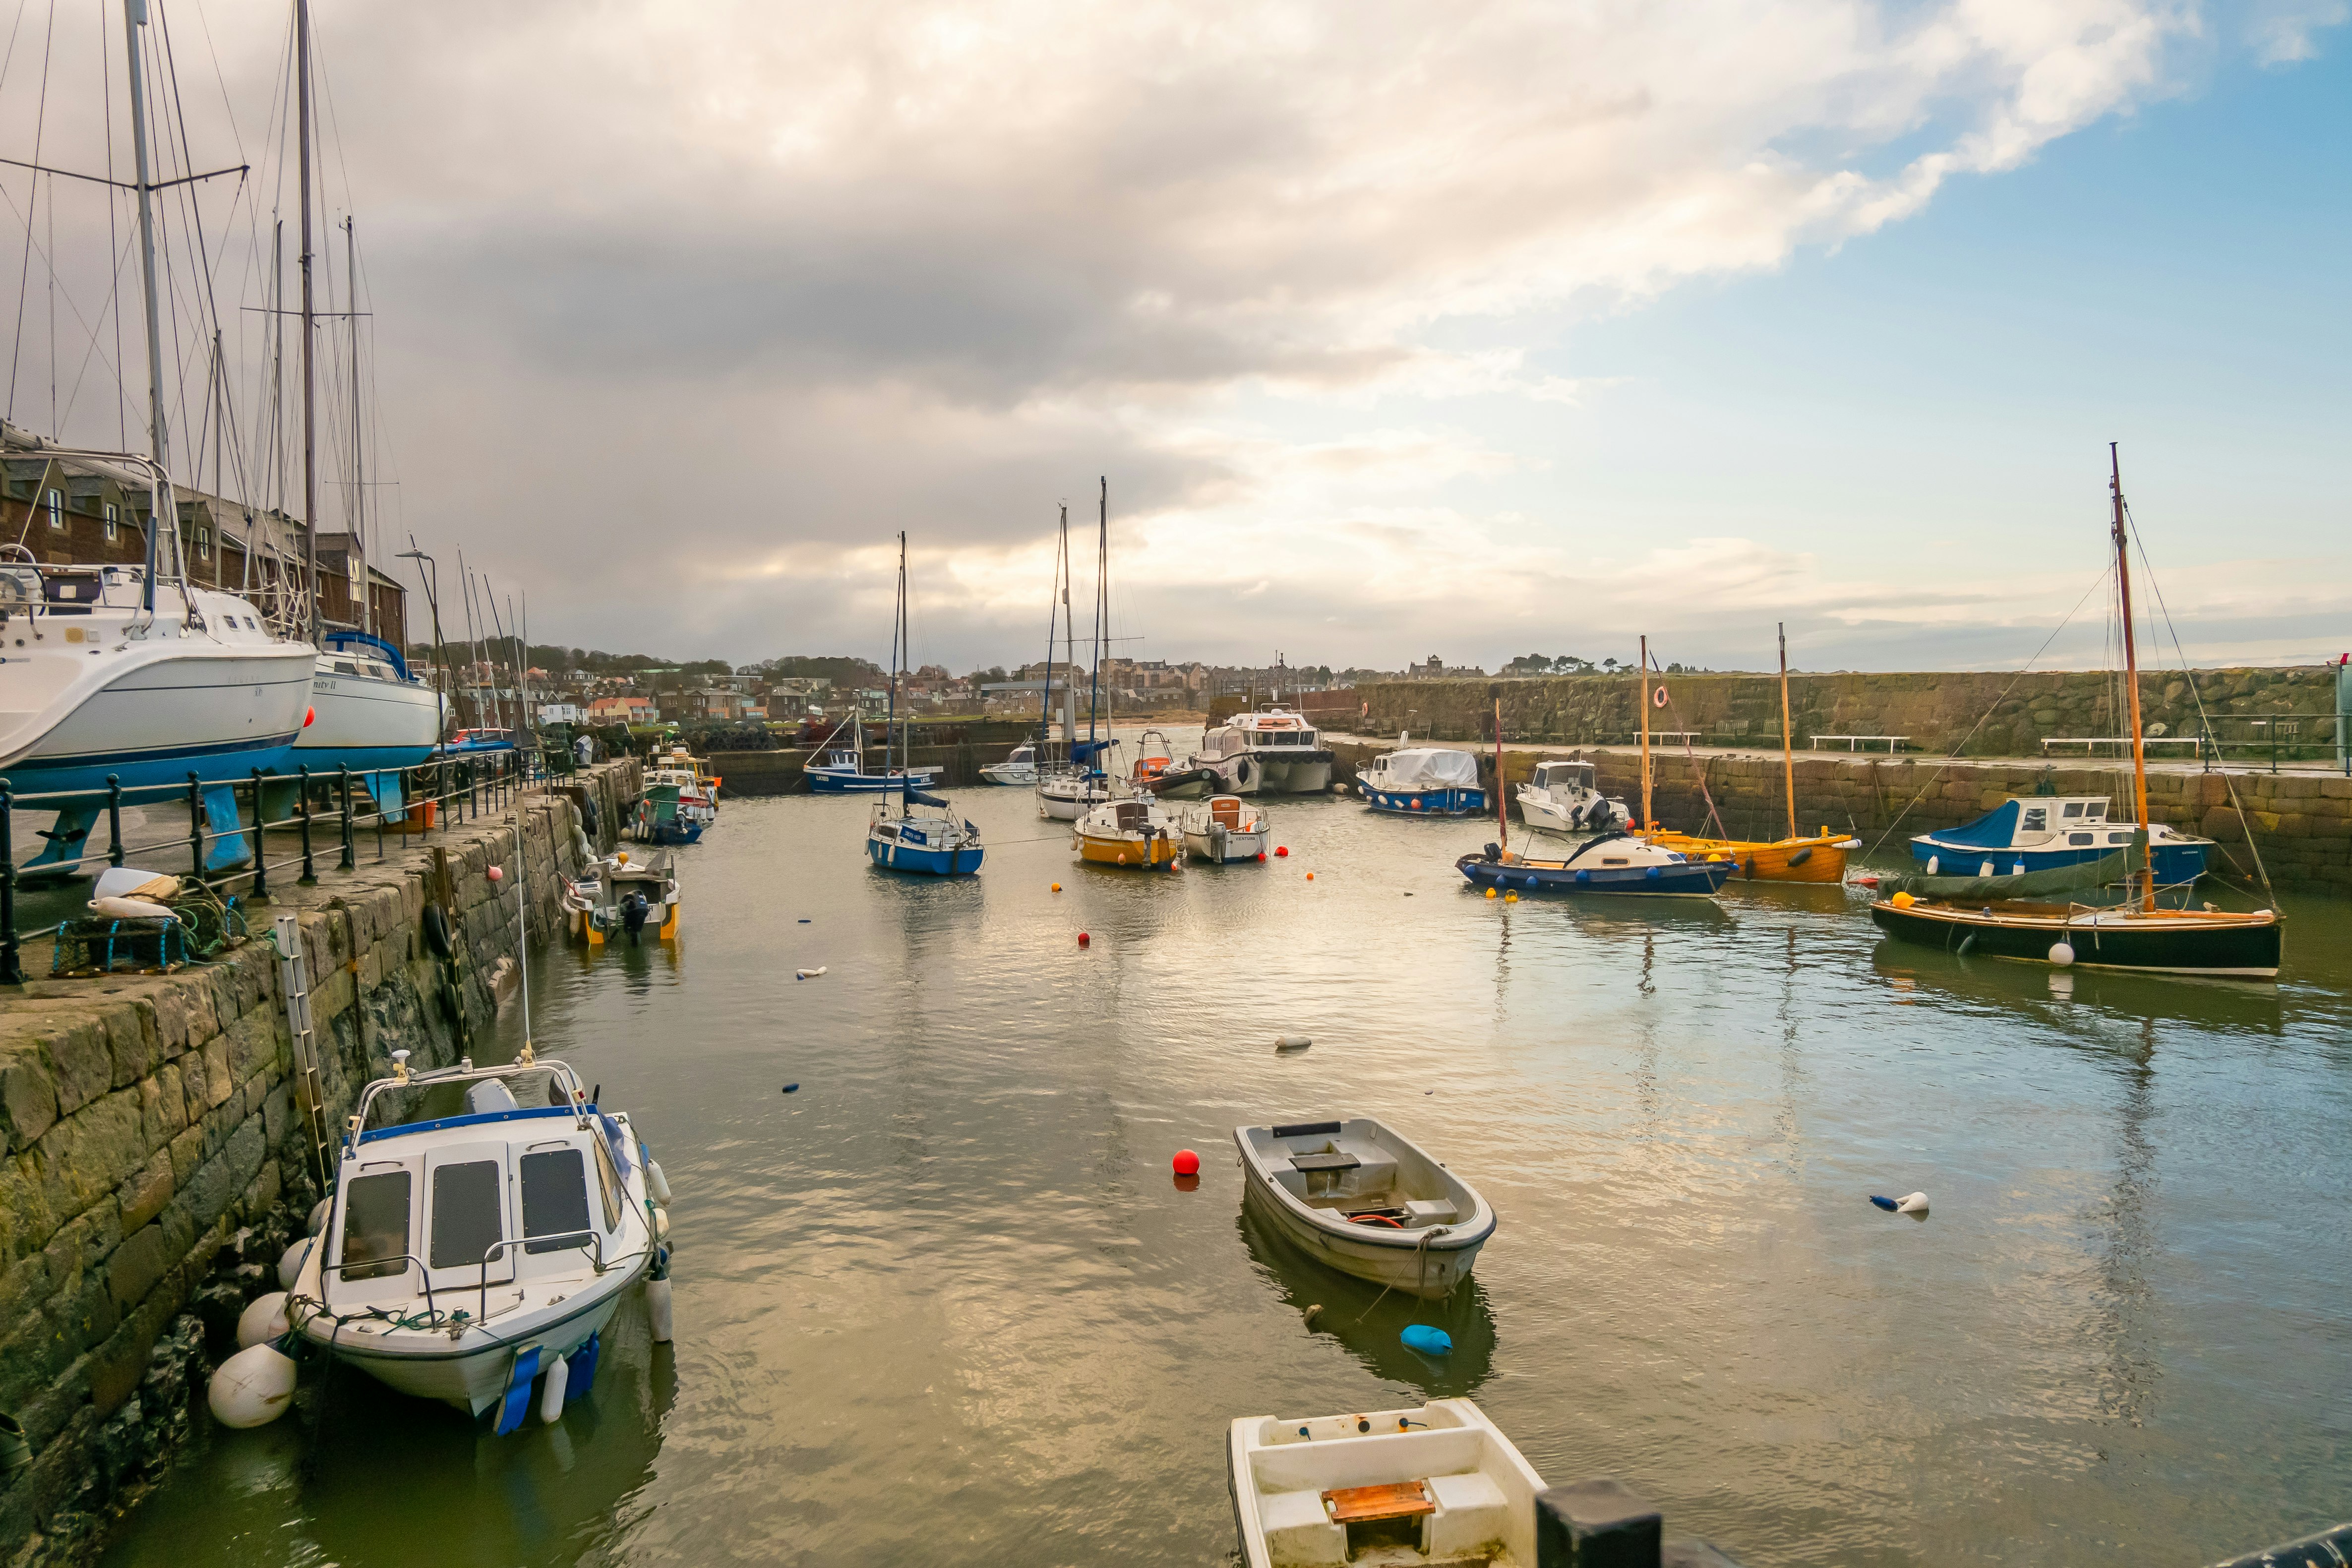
(1812, 857)
(134, 674)
(909, 830)
(1616, 863)
(2035, 916)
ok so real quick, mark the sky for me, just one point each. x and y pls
(1394, 330)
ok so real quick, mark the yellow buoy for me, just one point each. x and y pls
(1490, 892)
(1902, 901)
(1511, 898)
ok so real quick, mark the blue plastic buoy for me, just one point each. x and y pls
(1427, 1341)
(1886, 1204)
(795, 1089)
(804, 922)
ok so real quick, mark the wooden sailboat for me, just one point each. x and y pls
(1970, 915)
(1815, 857)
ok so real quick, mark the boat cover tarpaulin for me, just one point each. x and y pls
(1087, 751)
(2103, 872)
(1431, 767)
(917, 797)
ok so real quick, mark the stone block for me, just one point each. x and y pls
(187, 1152)
(136, 1265)
(86, 1155)
(143, 1193)
(28, 1099)
(219, 1081)
(79, 1061)
(252, 1045)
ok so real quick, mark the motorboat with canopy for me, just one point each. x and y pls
(1564, 796)
(1225, 829)
(1364, 1199)
(1423, 780)
(1271, 750)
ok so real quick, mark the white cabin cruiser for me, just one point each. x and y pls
(1430, 1484)
(1272, 752)
(1066, 791)
(465, 1255)
(1566, 799)
(1020, 768)
(1363, 1199)
(1223, 829)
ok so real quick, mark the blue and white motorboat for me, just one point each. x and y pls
(469, 1253)
(1616, 864)
(2038, 832)
(1423, 780)
(844, 773)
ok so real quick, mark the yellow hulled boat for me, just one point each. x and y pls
(1818, 858)
(1137, 834)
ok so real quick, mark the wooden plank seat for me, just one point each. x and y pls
(1335, 1161)
(1403, 1499)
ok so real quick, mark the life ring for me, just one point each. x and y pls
(1375, 1219)
(1658, 697)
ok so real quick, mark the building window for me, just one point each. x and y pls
(112, 516)
(57, 510)
(203, 544)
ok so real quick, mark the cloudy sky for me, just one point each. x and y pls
(1395, 328)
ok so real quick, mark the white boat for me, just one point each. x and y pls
(464, 1255)
(909, 830)
(1367, 1202)
(1223, 828)
(1068, 791)
(1434, 1483)
(621, 897)
(1138, 833)
(369, 712)
(1423, 780)
(1020, 768)
(1271, 751)
(1566, 799)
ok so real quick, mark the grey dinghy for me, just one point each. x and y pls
(1363, 1199)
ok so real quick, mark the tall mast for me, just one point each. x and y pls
(1502, 811)
(2131, 676)
(134, 15)
(1646, 822)
(1057, 604)
(310, 375)
(359, 469)
(1102, 601)
(897, 658)
(1788, 744)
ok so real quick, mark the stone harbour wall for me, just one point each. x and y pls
(155, 1155)
(1974, 713)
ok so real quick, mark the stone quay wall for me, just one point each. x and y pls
(2300, 824)
(155, 1152)
(1974, 713)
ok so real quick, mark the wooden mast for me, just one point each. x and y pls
(1502, 811)
(1646, 822)
(1787, 745)
(2131, 676)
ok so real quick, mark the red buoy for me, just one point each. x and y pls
(1187, 1162)
(308, 714)
(496, 875)
(1281, 850)
(1084, 938)
(1261, 854)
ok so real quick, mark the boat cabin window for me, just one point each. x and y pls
(2082, 838)
(2036, 819)
(554, 1198)
(376, 1226)
(466, 1223)
(608, 1184)
(2095, 810)
(2074, 808)
(345, 666)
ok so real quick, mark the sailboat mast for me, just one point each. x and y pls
(309, 372)
(1502, 811)
(1646, 821)
(898, 620)
(1787, 743)
(134, 16)
(359, 468)
(1102, 601)
(2131, 674)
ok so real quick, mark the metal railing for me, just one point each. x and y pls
(591, 1241)
(438, 794)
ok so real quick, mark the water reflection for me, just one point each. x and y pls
(1368, 1320)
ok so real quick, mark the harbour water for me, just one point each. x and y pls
(945, 1305)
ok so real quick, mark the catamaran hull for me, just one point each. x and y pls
(2182, 946)
(1426, 802)
(1690, 879)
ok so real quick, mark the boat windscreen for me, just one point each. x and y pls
(375, 1225)
(465, 1215)
(554, 1198)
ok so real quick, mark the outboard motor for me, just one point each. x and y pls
(1494, 853)
(633, 915)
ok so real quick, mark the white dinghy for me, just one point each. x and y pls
(1436, 1483)
(1224, 829)
(1363, 1199)
(464, 1255)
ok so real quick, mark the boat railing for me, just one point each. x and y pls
(286, 822)
(557, 1241)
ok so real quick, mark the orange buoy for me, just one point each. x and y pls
(1281, 850)
(1188, 1163)
(1057, 887)
(1310, 876)
(308, 715)
(496, 875)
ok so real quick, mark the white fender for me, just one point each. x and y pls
(657, 1308)
(656, 1183)
(550, 1397)
(661, 1224)
(1915, 1203)
(2062, 953)
(289, 1267)
(262, 1321)
(252, 1388)
(318, 1214)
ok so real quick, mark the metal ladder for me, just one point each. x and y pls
(310, 1092)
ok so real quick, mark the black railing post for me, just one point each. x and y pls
(310, 878)
(113, 820)
(349, 859)
(12, 972)
(378, 798)
(196, 823)
(260, 844)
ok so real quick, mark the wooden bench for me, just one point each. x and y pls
(1855, 743)
(2121, 742)
(1354, 1505)
(1334, 1162)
